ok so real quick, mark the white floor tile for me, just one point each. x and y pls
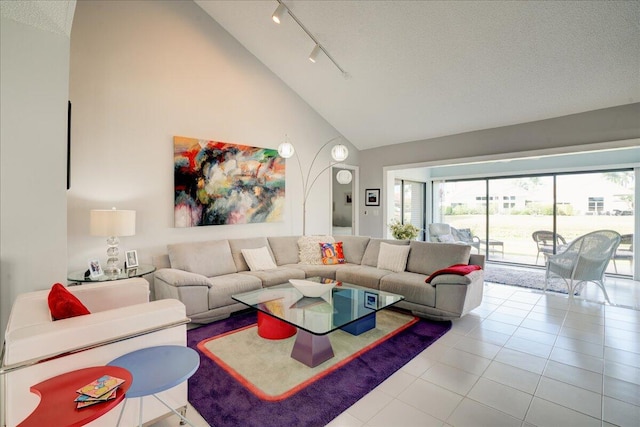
(501, 397)
(537, 336)
(345, 420)
(488, 336)
(453, 379)
(570, 396)
(473, 414)
(622, 390)
(513, 377)
(421, 363)
(503, 328)
(396, 383)
(622, 372)
(505, 318)
(520, 305)
(621, 413)
(575, 376)
(398, 413)
(431, 399)
(521, 360)
(578, 360)
(543, 413)
(467, 362)
(528, 346)
(479, 348)
(538, 325)
(579, 346)
(365, 408)
(592, 337)
(622, 356)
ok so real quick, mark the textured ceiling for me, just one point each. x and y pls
(53, 16)
(422, 69)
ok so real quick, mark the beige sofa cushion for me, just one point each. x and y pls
(353, 247)
(370, 256)
(427, 257)
(237, 245)
(393, 257)
(211, 258)
(285, 249)
(309, 247)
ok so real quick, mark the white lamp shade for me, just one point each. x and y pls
(344, 176)
(112, 222)
(339, 153)
(286, 150)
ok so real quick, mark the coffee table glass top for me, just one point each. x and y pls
(339, 306)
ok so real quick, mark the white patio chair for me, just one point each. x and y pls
(584, 260)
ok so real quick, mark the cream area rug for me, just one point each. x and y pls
(266, 368)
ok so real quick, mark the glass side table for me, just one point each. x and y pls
(139, 271)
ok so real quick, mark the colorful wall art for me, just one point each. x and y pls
(221, 183)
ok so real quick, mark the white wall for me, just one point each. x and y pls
(142, 72)
(34, 77)
(618, 126)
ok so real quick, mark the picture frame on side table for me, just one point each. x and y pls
(95, 270)
(372, 197)
(131, 258)
(371, 300)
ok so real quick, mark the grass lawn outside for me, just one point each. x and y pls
(515, 231)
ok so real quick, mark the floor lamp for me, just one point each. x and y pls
(339, 153)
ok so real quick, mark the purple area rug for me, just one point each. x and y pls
(223, 401)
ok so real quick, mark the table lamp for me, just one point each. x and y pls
(112, 223)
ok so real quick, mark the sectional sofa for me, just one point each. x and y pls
(204, 275)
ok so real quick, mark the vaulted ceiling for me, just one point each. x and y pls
(421, 69)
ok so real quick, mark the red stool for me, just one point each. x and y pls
(273, 329)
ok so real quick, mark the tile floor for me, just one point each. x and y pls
(520, 359)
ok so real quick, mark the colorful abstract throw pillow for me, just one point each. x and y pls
(332, 253)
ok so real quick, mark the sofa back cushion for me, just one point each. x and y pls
(427, 257)
(284, 249)
(237, 245)
(210, 258)
(353, 247)
(370, 256)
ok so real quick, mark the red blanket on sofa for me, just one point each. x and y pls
(459, 269)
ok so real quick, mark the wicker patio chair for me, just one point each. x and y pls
(584, 260)
(544, 242)
(624, 251)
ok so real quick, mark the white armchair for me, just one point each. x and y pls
(584, 260)
(122, 320)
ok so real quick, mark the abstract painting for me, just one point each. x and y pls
(220, 183)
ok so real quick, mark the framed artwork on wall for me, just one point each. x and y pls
(372, 197)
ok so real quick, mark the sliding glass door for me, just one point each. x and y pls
(523, 219)
(409, 203)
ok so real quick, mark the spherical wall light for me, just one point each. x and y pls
(286, 150)
(344, 176)
(339, 153)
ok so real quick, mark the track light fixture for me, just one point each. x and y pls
(314, 53)
(277, 15)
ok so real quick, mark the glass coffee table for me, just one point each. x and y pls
(344, 306)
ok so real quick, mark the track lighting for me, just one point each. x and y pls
(277, 17)
(314, 53)
(279, 13)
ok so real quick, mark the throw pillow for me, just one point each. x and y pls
(258, 259)
(332, 253)
(63, 304)
(310, 249)
(446, 238)
(393, 257)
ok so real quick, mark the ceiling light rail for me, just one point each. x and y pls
(277, 18)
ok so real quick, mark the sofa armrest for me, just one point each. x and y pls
(460, 298)
(36, 342)
(175, 277)
(456, 279)
(112, 294)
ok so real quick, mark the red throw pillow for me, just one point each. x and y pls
(63, 304)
